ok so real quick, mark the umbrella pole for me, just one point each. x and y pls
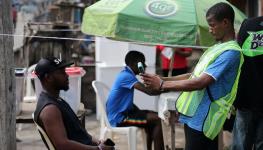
(171, 64)
(172, 118)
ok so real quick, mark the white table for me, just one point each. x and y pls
(166, 111)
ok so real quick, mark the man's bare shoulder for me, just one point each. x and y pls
(50, 112)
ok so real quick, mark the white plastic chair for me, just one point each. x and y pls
(44, 135)
(102, 91)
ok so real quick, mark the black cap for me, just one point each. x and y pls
(49, 64)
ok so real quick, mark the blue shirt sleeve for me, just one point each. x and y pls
(223, 63)
(128, 81)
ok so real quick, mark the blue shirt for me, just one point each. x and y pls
(224, 70)
(120, 99)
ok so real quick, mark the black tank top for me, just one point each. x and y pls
(71, 122)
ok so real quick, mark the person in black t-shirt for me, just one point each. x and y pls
(248, 127)
(55, 116)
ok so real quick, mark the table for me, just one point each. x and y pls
(166, 111)
(28, 108)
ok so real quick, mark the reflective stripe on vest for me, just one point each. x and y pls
(220, 108)
(253, 45)
(188, 102)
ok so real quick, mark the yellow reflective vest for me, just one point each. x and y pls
(188, 102)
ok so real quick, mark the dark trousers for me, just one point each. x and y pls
(196, 140)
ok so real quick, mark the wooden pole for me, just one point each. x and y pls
(7, 80)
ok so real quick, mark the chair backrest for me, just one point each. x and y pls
(44, 136)
(102, 92)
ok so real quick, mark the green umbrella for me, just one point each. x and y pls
(167, 22)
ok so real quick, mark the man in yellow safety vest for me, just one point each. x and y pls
(210, 90)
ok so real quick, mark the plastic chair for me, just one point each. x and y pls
(102, 91)
(44, 136)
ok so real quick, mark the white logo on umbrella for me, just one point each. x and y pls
(161, 8)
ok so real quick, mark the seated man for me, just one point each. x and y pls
(55, 116)
(120, 108)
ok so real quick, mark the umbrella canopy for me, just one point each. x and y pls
(167, 22)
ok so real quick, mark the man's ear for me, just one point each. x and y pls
(134, 67)
(48, 77)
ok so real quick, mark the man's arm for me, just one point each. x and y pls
(214, 71)
(198, 83)
(190, 84)
(52, 121)
(141, 87)
(176, 78)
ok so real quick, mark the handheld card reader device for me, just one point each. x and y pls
(140, 67)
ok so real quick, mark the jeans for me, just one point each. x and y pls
(248, 131)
